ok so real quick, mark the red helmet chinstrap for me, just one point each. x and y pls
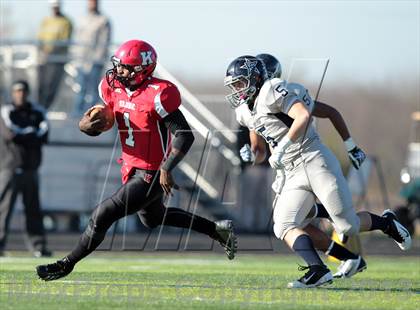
(139, 56)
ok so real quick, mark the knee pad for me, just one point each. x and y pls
(92, 231)
(105, 214)
(281, 229)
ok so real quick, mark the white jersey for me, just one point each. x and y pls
(309, 170)
(269, 117)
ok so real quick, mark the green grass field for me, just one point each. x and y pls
(192, 281)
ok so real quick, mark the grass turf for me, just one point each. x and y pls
(192, 281)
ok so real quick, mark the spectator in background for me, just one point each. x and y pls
(92, 38)
(54, 35)
(23, 131)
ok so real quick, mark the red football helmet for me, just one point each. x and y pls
(137, 56)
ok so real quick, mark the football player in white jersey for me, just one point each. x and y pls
(281, 113)
(350, 262)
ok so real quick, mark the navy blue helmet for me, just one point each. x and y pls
(272, 65)
(244, 77)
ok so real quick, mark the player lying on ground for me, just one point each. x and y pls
(146, 112)
(281, 114)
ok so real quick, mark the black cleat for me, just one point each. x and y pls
(317, 275)
(57, 270)
(397, 231)
(226, 237)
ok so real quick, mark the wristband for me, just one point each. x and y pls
(349, 144)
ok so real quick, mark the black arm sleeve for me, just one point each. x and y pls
(183, 140)
(179, 127)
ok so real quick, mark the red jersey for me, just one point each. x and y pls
(144, 139)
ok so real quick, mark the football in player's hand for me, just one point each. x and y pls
(103, 113)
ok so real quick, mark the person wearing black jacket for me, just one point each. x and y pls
(23, 131)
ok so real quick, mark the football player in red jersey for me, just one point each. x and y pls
(146, 112)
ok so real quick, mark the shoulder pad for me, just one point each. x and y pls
(270, 95)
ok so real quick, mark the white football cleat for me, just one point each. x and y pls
(397, 231)
(350, 267)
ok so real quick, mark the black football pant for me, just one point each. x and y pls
(26, 183)
(144, 195)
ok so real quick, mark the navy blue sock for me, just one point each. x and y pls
(338, 251)
(304, 247)
(322, 212)
(378, 222)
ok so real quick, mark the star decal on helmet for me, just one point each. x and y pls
(250, 65)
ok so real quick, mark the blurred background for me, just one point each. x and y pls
(373, 79)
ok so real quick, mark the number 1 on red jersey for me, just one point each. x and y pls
(130, 139)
